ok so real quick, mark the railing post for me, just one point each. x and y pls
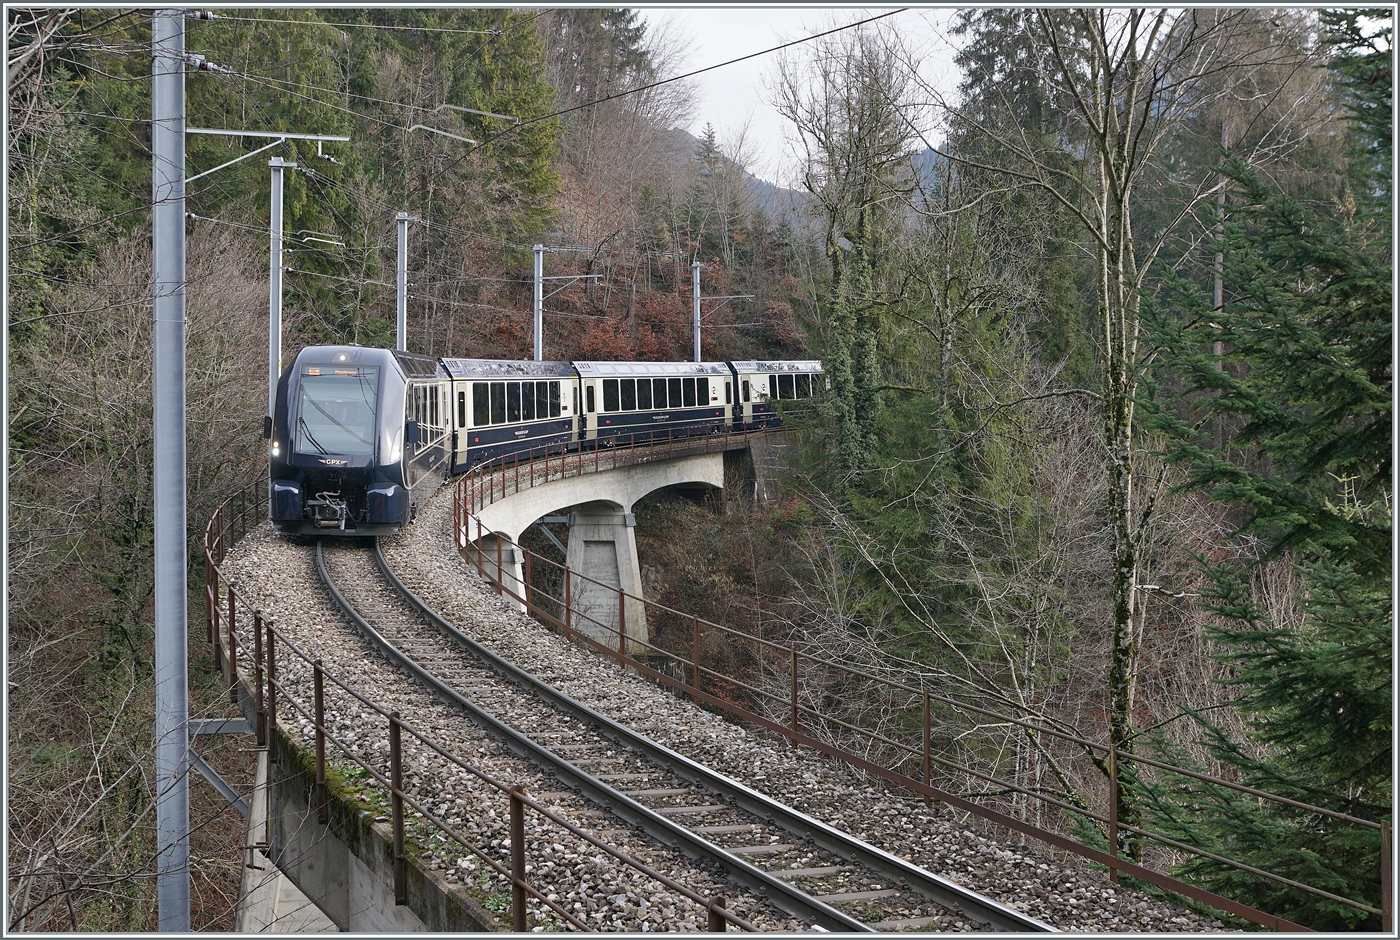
(1387, 899)
(396, 810)
(517, 860)
(794, 690)
(211, 592)
(529, 604)
(1113, 811)
(568, 601)
(260, 715)
(695, 655)
(622, 628)
(232, 647)
(320, 722)
(714, 923)
(218, 631)
(271, 695)
(500, 576)
(928, 728)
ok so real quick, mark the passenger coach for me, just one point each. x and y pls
(506, 405)
(628, 402)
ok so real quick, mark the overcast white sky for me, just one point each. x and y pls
(737, 93)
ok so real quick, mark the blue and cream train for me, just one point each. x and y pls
(360, 435)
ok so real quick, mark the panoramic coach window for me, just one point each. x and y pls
(335, 411)
(658, 393)
(629, 394)
(481, 404)
(785, 385)
(610, 395)
(498, 403)
(804, 386)
(527, 401)
(512, 402)
(554, 409)
(644, 394)
(688, 385)
(772, 386)
(702, 391)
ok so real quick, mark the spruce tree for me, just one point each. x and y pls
(1305, 399)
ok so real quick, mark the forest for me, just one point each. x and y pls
(1108, 332)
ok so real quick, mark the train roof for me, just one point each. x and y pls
(621, 369)
(408, 363)
(778, 365)
(505, 368)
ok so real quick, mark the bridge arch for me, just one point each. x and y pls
(602, 541)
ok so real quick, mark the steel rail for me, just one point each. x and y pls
(781, 894)
(945, 892)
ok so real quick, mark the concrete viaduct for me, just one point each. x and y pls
(602, 542)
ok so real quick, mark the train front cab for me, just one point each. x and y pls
(504, 406)
(762, 385)
(356, 432)
(636, 402)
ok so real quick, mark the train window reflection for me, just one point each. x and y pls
(629, 394)
(702, 391)
(609, 394)
(335, 413)
(512, 402)
(658, 393)
(498, 403)
(644, 394)
(554, 399)
(527, 401)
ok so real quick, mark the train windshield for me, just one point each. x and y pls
(335, 411)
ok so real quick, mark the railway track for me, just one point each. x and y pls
(813, 871)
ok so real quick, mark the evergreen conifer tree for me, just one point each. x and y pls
(1306, 396)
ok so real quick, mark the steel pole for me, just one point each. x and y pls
(172, 792)
(274, 288)
(695, 302)
(539, 303)
(401, 335)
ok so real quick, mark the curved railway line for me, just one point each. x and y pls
(813, 871)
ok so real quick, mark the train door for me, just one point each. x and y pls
(461, 392)
(592, 401)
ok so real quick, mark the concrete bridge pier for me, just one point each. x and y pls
(603, 547)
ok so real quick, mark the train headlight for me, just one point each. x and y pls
(276, 449)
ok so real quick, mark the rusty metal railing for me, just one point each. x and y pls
(272, 648)
(484, 485)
